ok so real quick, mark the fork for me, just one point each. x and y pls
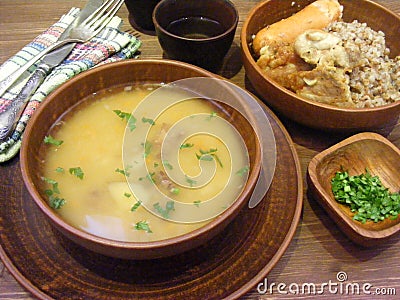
(89, 28)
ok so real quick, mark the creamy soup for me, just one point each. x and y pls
(85, 178)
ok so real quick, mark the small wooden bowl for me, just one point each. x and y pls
(307, 112)
(356, 154)
(124, 73)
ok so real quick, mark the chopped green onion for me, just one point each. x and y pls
(366, 196)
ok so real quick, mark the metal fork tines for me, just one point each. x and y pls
(96, 21)
(89, 28)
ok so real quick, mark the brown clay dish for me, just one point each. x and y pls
(107, 76)
(307, 112)
(355, 154)
(53, 267)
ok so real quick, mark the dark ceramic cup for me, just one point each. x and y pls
(140, 13)
(196, 32)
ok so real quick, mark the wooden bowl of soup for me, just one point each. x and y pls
(368, 102)
(123, 197)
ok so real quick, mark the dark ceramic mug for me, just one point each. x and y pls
(140, 13)
(196, 32)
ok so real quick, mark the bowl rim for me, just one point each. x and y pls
(247, 52)
(26, 171)
(331, 203)
(226, 32)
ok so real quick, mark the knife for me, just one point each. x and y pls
(10, 117)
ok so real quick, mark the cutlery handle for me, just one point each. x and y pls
(10, 117)
(7, 82)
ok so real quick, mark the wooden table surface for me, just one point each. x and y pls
(319, 250)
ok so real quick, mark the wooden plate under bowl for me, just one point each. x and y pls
(53, 267)
(356, 154)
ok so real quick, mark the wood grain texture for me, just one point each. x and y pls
(356, 154)
(319, 249)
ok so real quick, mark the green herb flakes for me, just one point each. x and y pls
(55, 201)
(186, 145)
(127, 195)
(175, 191)
(128, 117)
(212, 115)
(190, 181)
(77, 172)
(53, 183)
(123, 172)
(243, 171)
(149, 176)
(136, 206)
(197, 203)
(209, 155)
(143, 225)
(147, 148)
(167, 165)
(52, 141)
(366, 196)
(150, 121)
(169, 206)
(60, 170)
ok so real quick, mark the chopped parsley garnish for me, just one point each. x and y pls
(77, 172)
(209, 155)
(366, 196)
(175, 191)
(169, 206)
(197, 203)
(212, 115)
(243, 171)
(53, 183)
(143, 225)
(190, 181)
(60, 170)
(150, 121)
(50, 140)
(127, 195)
(149, 176)
(54, 200)
(167, 165)
(123, 172)
(186, 145)
(128, 117)
(136, 206)
(147, 148)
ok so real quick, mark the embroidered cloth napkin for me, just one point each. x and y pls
(108, 46)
